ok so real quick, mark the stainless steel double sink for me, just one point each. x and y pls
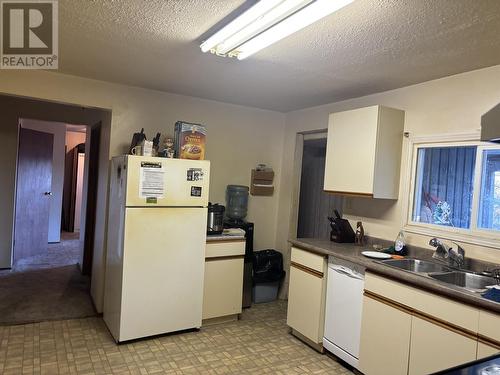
(462, 279)
(416, 265)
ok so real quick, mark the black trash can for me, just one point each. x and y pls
(267, 275)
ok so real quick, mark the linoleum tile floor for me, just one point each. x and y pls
(259, 343)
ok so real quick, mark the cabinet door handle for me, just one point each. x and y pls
(307, 269)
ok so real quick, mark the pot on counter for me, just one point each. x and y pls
(215, 218)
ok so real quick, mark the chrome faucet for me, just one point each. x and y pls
(450, 252)
(495, 273)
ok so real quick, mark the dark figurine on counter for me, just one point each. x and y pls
(360, 234)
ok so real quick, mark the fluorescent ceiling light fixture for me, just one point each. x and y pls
(258, 10)
(267, 22)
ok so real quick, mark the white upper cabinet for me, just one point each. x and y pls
(363, 154)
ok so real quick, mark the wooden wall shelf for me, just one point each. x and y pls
(262, 183)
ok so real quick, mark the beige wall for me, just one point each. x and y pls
(444, 106)
(238, 137)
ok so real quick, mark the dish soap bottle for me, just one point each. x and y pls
(400, 244)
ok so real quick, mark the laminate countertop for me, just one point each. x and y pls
(352, 253)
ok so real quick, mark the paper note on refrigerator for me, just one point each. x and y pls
(152, 180)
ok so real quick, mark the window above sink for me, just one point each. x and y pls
(454, 190)
(444, 185)
(489, 198)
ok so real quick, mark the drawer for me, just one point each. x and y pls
(442, 308)
(310, 260)
(217, 249)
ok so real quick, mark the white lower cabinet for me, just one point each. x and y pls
(305, 305)
(489, 334)
(406, 330)
(485, 350)
(306, 296)
(434, 347)
(385, 339)
(223, 289)
(396, 342)
(223, 283)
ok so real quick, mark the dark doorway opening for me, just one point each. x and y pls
(314, 204)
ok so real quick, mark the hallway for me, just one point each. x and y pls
(64, 253)
(46, 287)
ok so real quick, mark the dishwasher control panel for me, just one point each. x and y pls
(350, 265)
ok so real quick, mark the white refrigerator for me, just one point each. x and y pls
(155, 246)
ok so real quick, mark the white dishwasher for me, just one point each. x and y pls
(344, 303)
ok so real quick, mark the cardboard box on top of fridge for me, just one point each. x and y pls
(190, 140)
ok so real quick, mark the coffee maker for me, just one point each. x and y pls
(215, 218)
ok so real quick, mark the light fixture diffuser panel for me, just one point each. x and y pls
(267, 22)
(303, 18)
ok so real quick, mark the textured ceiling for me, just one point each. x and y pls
(368, 46)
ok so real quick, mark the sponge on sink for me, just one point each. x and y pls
(493, 293)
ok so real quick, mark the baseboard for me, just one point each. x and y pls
(220, 319)
(316, 346)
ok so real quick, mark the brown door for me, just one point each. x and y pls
(34, 181)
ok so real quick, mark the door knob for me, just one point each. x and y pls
(48, 193)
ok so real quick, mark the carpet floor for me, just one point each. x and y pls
(64, 253)
(44, 294)
(48, 286)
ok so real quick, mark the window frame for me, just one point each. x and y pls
(477, 184)
(474, 234)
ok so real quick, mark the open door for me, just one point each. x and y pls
(93, 160)
(34, 181)
(74, 178)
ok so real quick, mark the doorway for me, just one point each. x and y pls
(45, 281)
(49, 281)
(315, 205)
(49, 195)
